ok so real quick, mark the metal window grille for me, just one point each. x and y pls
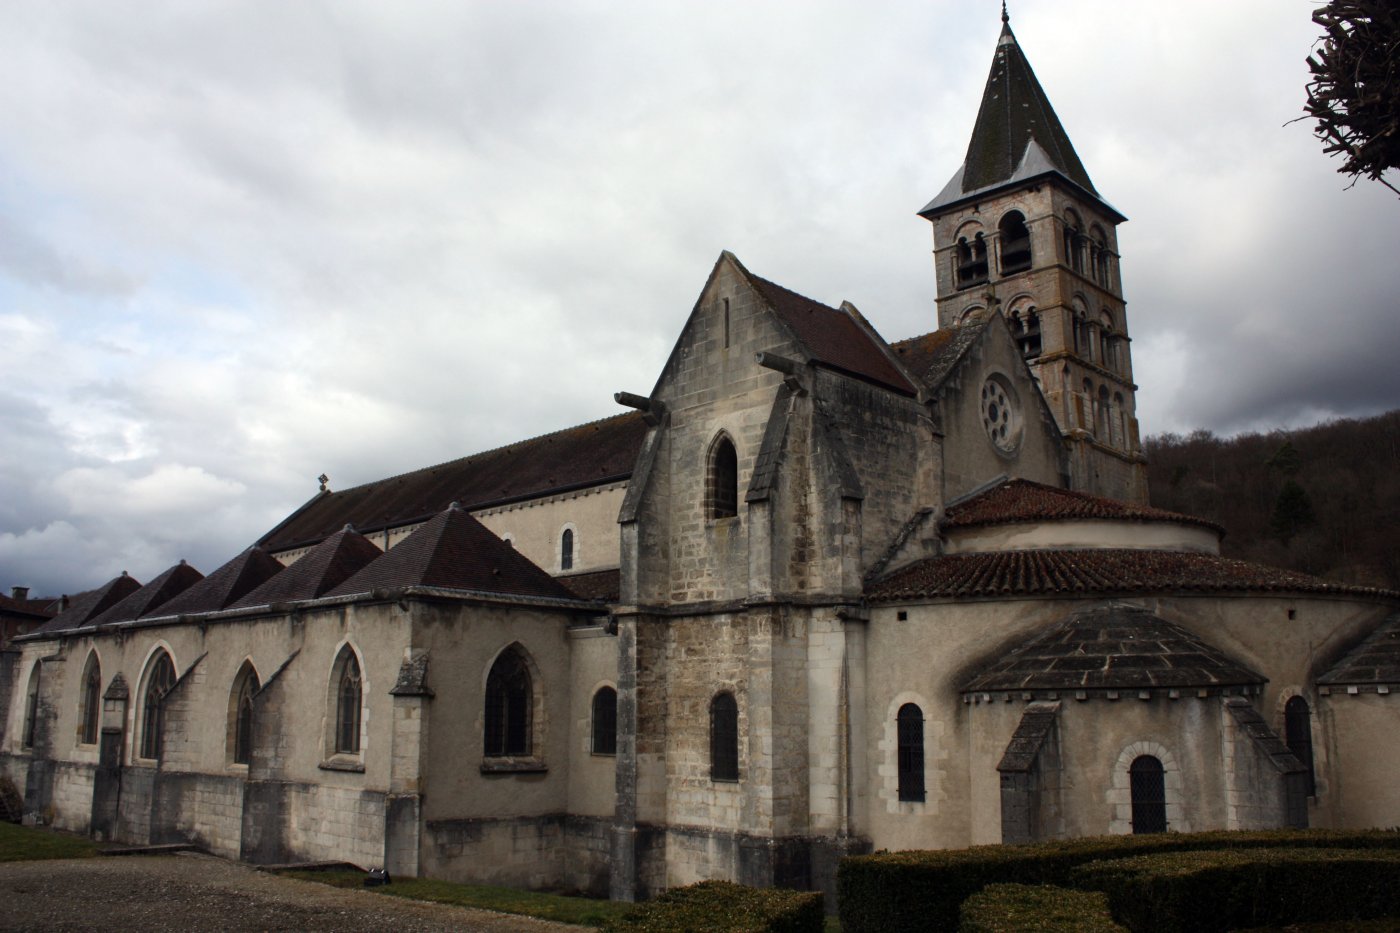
(159, 684)
(724, 738)
(1297, 731)
(347, 708)
(605, 721)
(910, 722)
(508, 700)
(1149, 795)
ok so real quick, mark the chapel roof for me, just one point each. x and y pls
(832, 336)
(1017, 135)
(453, 550)
(316, 572)
(1022, 500)
(1375, 661)
(1112, 648)
(86, 606)
(224, 586)
(600, 585)
(1093, 571)
(574, 458)
(152, 596)
(932, 357)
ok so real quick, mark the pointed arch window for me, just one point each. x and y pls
(722, 481)
(605, 721)
(566, 550)
(909, 724)
(1297, 731)
(509, 702)
(724, 737)
(349, 702)
(159, 682)
(90, 708)
(245, 685)
(1148, 787)
(31, 708)
(1015, 239)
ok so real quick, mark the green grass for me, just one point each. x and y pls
(25, 843)
(580, 910)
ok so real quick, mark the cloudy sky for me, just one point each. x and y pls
(245, 243)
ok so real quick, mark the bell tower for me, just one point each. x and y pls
(1020, 229)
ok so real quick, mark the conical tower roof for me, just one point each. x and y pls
(1017, 136)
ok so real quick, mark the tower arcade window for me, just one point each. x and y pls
(1015, 243)
(1074, 242)
(724, 738)
(245, 684)
(90, 708)
(1297, 731)
(1149, 795)
(722, 480)
(970, 265)
(1025, 328)
(605, 721)
(509, 698)
(349, 698)
(1098, 255)
(910, 726)
(159, 682)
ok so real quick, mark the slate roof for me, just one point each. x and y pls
(88, 605)
(586, 455)
(316, 572)
(152, 596)
(1017, 135)
(832, 336)
(224, 586)
(1114, 648)
(1092, 571)
(1374, 662)
(455, 551)
(1021, 500)
(931, 358)
(601, 585)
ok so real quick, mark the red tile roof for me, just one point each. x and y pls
(587, 455)
(1020, 500)
(152, 596)
(316, 572)
(832, 336)
(1067, 572)
(224, 586)
(1112, 648)
(454, 551)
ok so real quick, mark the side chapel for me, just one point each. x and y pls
(814, 593)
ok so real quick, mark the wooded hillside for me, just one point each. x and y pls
(1324, 500)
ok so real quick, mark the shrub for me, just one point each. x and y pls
(909, 891)
(1231, 889)
(723, 907)
(1012, 908)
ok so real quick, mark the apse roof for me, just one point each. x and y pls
(1074, 572)
(586, 455)
(1375, 661)
(1021, 500)
(1112, 648)
(224, 586)
(455, 551)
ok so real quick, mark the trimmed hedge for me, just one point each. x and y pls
(1227, 890)
(891, 892)
(723, 907)
(1013, 908)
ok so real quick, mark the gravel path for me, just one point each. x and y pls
(199, 892)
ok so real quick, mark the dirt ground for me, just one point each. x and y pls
(199, 892)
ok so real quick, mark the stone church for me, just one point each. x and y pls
(812, 594)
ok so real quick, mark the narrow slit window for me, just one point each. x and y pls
(92, 702)
(605, 721)
(723, 485)
(1297, 731)
(910, 725)
(566, 550)
(31, 709)
(724, 738)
